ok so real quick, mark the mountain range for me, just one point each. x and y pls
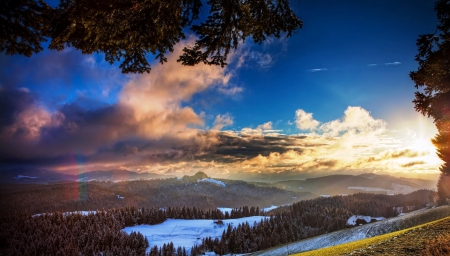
(42, 176)
(326, 185)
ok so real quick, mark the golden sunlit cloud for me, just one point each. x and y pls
(151, 129)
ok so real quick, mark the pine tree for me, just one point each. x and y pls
(443, 189)
(128, 31)
(433, 75)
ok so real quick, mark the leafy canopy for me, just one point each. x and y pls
(433, 78)
(127, 31)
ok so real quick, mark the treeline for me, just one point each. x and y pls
(92, 234)
(72, 234)
(306, 219)
(101, 232)
(80, 196)
(188, 213)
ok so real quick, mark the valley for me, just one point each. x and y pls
(198, 214)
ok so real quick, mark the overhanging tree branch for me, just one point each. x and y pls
(127, 31)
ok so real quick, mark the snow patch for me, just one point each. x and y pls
(69, 213)
(225, 210)
(24, 176)
(218, 182)
(353, 220)
(270, 208)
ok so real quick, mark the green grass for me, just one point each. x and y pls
(363, 243)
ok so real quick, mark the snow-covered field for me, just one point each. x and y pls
(370, 230)
(186, 233)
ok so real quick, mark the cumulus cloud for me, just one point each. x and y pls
(356, 120)
(305, 121)
(156, 97)
(264, 129)
(222, 121)
(265, 126)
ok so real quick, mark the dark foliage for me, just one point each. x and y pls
(74, 234)
(307, 218)
(433, 76)
(22, 26)
(443, 189)
(129, 30)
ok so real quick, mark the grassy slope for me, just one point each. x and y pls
(411, 241)
(358, 233)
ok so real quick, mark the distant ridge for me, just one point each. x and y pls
(350, 184)
(24, 175)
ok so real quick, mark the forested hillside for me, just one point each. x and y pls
(101, 232)
(310, 218)
(82, 196)
(350, 184)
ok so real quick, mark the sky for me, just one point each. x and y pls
(335, 98)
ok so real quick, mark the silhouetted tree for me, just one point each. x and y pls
(128, 30)
(433, 75)
(443, 189)
(22, 26)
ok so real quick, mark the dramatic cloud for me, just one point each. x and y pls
(149, 117)
(305, 121)
(153, 126)
(156, 133)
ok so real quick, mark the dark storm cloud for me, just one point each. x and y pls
(13, 102)
(82, 130)
(394, 154)
(410, 164)
(248, 147)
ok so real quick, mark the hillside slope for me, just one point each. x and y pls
(361, 232)
(429, 239)
(83, 196)
(350, 184)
